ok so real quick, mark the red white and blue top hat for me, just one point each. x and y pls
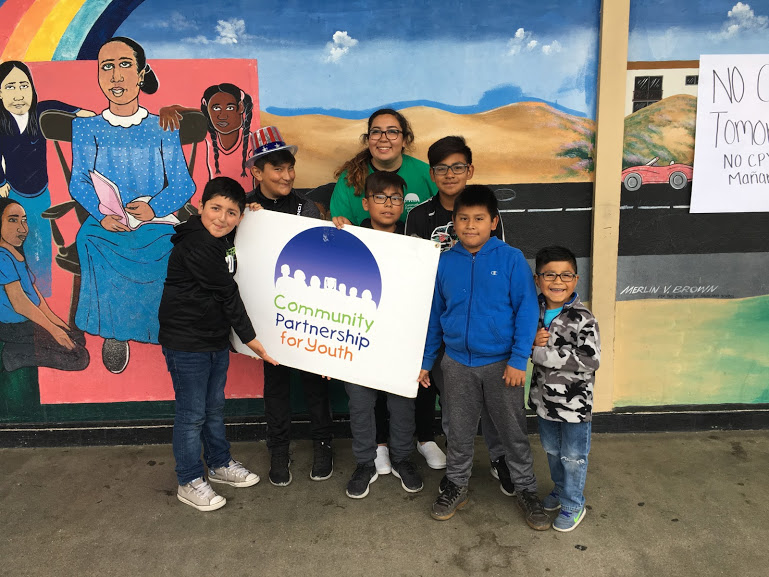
(267, 140)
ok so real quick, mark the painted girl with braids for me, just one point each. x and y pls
(228, 111)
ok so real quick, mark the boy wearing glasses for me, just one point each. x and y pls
(485, 312)
(566, 354)
(384, 202)
(451, 166)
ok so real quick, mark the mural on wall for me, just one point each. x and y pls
(522, 93)
(692, 286)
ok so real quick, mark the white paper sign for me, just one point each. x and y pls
(731, 152)
(352, 304)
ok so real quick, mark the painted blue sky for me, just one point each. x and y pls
(683, 30)
(357, 56)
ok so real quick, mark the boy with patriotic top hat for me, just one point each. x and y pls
(272, 165)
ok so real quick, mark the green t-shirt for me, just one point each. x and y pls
(419, 187)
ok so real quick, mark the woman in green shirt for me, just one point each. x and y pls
(388, 136)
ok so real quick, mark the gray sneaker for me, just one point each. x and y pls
(199, 494)
(452, 498)
(233, 474)
(552, 502)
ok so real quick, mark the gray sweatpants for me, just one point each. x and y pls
(363, 424)
(490, 434)
(468, 390)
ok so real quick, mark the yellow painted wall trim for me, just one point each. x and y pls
(610, 133)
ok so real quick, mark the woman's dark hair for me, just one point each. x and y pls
(357, 166)
(248, 109)
(5, 202)
(150, 83)
(7, 123)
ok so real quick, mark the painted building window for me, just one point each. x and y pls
(647, 90)
(693, 80)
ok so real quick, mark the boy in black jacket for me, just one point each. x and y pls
(272, 166)
(199, 305)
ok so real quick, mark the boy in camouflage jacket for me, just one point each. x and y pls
(566, 354)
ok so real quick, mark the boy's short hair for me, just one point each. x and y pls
(445, 147)
(276, 158)
(477, 195)
(225, 187)
(554, 254)
(379, 181)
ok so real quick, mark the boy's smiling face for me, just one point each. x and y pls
(384, 216)
(275, 181)
(474, 225)
(220, 215)
(557, 291)
(451, 184)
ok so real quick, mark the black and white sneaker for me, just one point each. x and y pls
(322, 461)
(452, 498)
(362, 477)
(407, 472)
(501, 473)
(280, 467)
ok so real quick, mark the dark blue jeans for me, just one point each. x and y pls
(567, 446)
(199, 380)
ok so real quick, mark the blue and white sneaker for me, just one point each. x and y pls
(552, 502)
(567, 521)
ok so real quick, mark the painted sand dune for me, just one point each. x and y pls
(664, 129)
(519, 143)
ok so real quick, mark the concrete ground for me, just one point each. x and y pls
(659, 504)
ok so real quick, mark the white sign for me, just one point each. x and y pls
(731, 152)
(352, 304)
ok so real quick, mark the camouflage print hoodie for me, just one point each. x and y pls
(564, 369)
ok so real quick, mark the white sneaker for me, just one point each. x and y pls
(233, 474)
(199, 494)
(382, 460)
(436, 459)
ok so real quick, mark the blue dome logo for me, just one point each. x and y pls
(326, 258)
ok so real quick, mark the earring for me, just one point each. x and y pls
(141, 83)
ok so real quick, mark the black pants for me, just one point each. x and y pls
(424, 412)
(277, 405)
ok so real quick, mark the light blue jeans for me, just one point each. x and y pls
(567, 446)
(199, 380)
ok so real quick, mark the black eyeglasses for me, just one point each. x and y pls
(380, 198)
(456, 168)
(390, 133)
(551, 276)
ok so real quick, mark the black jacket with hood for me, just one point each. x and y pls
(200, 298)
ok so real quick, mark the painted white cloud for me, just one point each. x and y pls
(177, 21)
(228, 32)
(340, 44)
(524, 41)
(741, 18)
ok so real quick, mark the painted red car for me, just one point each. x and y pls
(675, 174)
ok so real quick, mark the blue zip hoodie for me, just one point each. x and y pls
(484, 307)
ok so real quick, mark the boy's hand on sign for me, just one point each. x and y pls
(541, 338)
(258, 348)
(254, 206)
(424, 378)
(514, 377)
(340, 221)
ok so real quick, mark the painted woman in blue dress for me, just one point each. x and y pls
(23, 164)
(123, 268)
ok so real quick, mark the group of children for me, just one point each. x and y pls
(486, 322)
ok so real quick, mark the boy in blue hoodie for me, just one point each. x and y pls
(485, 311)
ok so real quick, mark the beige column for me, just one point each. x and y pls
(610, 120)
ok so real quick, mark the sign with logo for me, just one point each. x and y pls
(352, 304)
(731, 150)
